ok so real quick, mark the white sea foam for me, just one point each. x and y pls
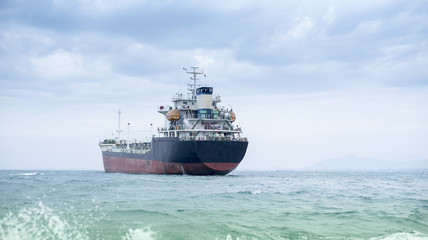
(254, 192)
(28, 174)
(403, 236)
(230, 238)
(140, 234)
(38, 222)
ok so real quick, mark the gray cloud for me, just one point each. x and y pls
(87, 58)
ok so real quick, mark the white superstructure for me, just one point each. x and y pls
(199, 116)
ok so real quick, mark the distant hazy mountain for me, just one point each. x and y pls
(353, 162)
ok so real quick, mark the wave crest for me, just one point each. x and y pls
(38, 223)
(140, 234)
(403, 236)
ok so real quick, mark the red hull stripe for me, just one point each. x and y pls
(221, 166)
(130, 165)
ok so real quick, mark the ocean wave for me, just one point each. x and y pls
(39, 222)
(28, 174)
(229, 237)
(403, 236)
(254, 192)
(140, 234)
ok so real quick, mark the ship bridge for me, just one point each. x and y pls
(197, 116)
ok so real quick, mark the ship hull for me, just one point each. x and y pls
(172, 156)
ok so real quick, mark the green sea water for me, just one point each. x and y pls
(242, 205)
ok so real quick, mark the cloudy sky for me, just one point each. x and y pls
(308, 80)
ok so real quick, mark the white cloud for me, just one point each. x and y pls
(301, 30)
(19, 37)
(330, 16)
(97, 8)
(59, 64)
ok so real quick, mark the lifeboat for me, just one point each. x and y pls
(232, 116)
(173, 115)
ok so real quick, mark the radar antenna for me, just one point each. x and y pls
(194, 78)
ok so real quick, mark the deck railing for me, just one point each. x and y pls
(204, 127)
(212, 138)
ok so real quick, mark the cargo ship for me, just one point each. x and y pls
(199, 138)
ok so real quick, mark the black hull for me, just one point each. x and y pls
(172, 156)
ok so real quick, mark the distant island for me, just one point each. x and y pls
(353, 162)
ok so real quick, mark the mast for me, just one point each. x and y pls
(194, 78)
(118, 129)
(127, 139)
